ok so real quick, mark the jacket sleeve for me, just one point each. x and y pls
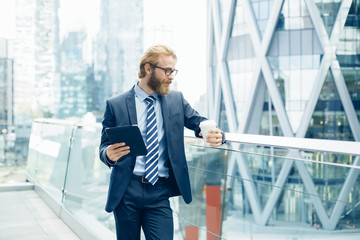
(108, 121)
(193, 119)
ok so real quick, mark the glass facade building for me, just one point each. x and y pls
(288, 68)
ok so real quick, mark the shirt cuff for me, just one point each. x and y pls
(223, 137)
(110, 163)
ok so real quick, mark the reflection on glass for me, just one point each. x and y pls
(262, 10)
(223, 121)
(348, 53)
(207, 169)
(329, 120)
(328, 10)
(48, 154)
(223, 193)
(87, 179)
(294, 15)
(270, 124)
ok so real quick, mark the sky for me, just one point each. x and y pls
(185, 18)
(188, 21)
(7, 19)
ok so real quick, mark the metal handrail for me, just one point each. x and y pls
(309, 144)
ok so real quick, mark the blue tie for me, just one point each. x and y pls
(152, 143)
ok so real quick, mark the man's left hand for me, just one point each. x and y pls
(214, 137)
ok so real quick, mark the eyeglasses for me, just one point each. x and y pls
(168, 71)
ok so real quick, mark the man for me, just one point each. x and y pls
(140, 186)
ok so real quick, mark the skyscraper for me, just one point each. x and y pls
(6, 88)
(24, 55)
(119, 45)
(289, 68)
(47, 55)
(36, 56)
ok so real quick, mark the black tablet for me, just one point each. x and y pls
(131, 136)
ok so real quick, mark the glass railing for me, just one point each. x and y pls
(63, 160)
(262, 187)
(251, 188)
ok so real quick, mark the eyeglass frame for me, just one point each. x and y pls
(166, 70)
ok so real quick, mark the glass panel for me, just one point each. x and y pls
(294, 56)
(329, 179)
(267, 111)
(329, 120)
(223, 121)
(240, 59)
(88, 180)
(295, 77)
(241, 23)
(328, 10)
(241, 65)
(207, 169)
(213, 67)
(292, 206)
(33, 154)
(262, 10)
(294, 15)
(352, 79)
(48, 156)
(224, 11)
(348, 54)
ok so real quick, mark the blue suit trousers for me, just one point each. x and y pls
(145, 206)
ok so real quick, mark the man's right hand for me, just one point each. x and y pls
(116, 151)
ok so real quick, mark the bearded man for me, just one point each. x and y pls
(140, 187)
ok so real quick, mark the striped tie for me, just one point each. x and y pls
(152, 143)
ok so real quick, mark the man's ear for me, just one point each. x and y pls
(148, 69)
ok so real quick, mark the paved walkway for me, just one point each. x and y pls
(24, 215)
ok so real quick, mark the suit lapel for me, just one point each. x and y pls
(165, 111)
(130, 102)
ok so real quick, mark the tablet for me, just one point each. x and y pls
(131, 136)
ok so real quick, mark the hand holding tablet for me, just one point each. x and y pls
(131, 136)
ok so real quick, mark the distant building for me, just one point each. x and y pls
(47, 55)
(6, 88)
(119, 45)
(76, 78)
(14, 133)
(24, 55)
(36, 67)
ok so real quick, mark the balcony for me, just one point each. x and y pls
(254, 187)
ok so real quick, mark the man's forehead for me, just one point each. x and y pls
(168, 60)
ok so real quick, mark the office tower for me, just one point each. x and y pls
(36, 57)
(73, 76)
(6, 88)
(119, 45)
(289, 68)
(46, 55)
(24, 57)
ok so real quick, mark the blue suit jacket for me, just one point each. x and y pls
(177, 114)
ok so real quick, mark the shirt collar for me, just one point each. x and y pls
(141, 94)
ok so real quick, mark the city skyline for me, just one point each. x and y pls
(173, 32)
